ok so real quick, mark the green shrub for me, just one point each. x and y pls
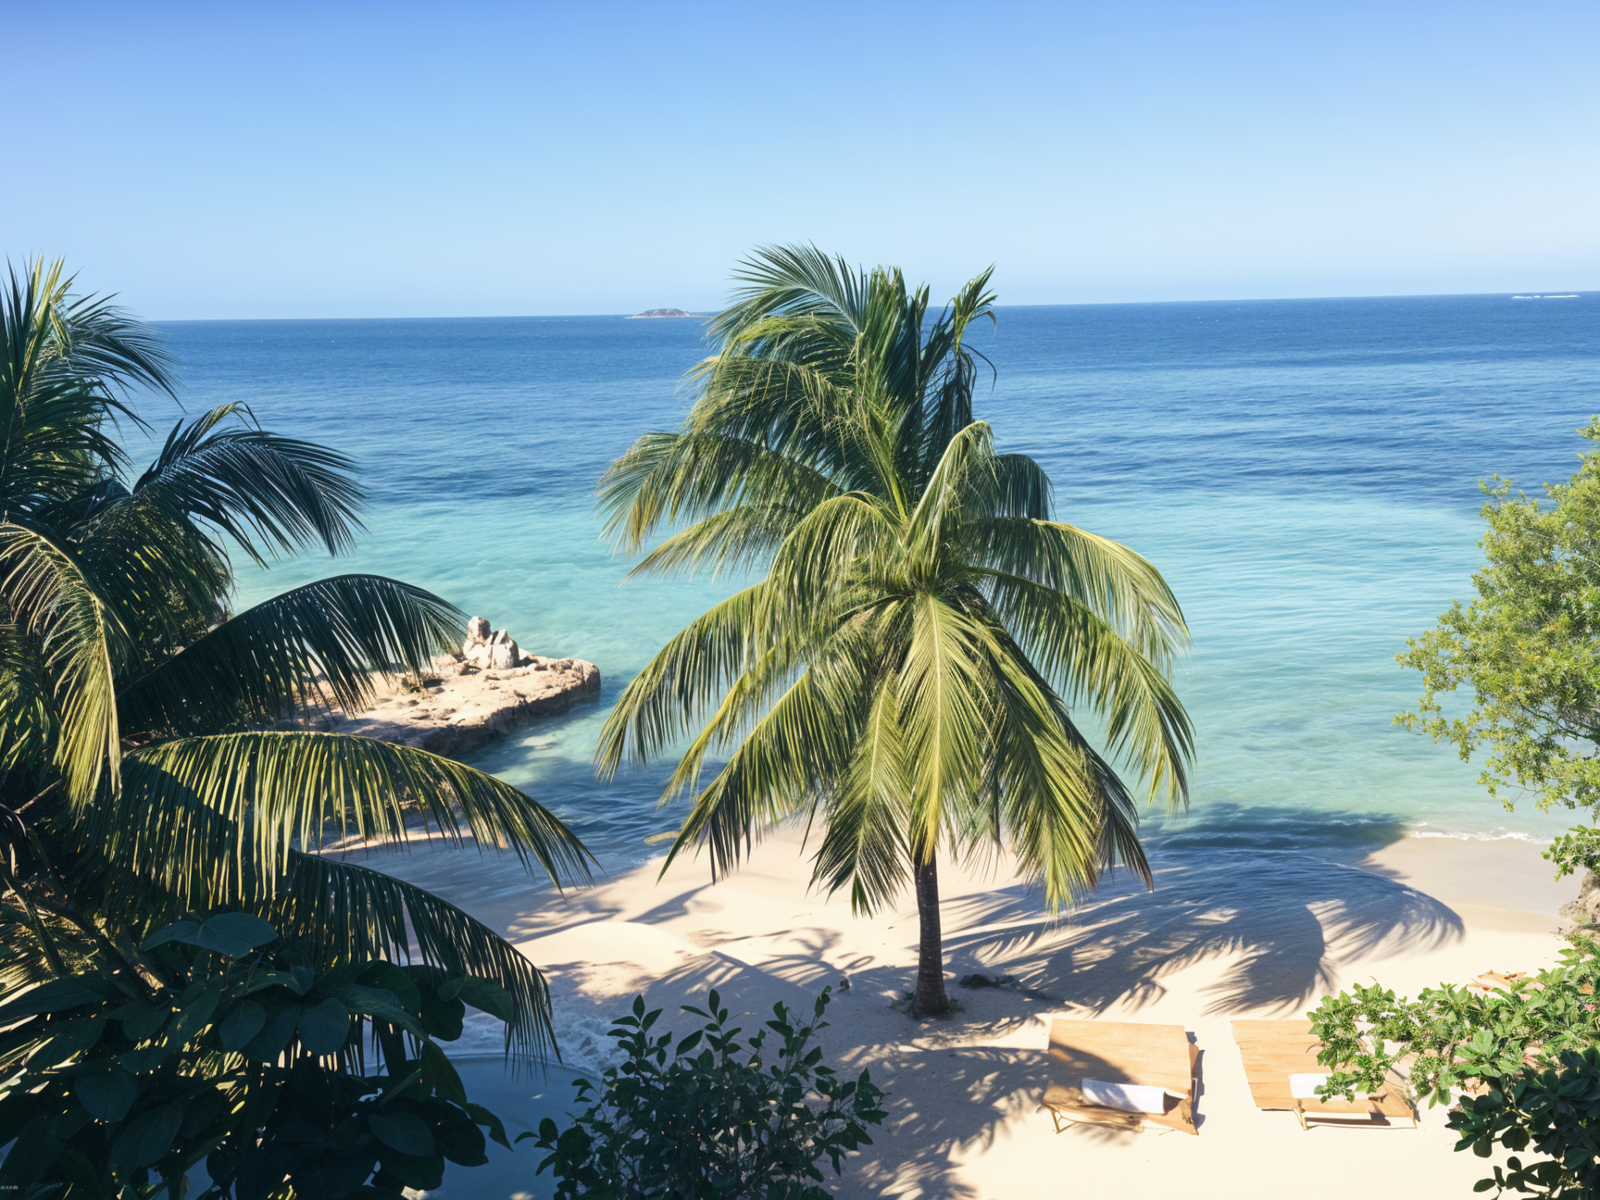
(1556, 1111)
(229, 1048)
(1525, 1053)
(715, 1125)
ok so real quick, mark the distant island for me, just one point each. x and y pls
(666, 312)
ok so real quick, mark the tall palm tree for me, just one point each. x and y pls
(141, 775)
(907, 672)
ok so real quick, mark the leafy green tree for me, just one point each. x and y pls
(735, 1120)
(906, 672)
(1527, 648)
(141, 775)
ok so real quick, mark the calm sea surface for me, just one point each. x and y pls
(1305, 473)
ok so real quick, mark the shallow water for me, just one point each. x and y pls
(1305, 473)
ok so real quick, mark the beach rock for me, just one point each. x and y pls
(1585, 910)
(504, 655)
(478, 629)
(472, 707)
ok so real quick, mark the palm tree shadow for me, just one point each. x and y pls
(1288, 919)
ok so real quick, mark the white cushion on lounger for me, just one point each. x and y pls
(1129, 1097)
(1304, 1087)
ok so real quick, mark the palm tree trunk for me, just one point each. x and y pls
(930, 999)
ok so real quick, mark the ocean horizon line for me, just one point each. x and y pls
(1521, 294)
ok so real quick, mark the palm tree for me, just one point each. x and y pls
(906, 673)
(145, 770)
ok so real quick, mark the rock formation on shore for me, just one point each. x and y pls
(1585, 910)
(469, 699)
(664, 312)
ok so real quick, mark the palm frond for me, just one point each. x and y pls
(795, 281)
(1095, 666)
(330, 639)
(1113, 582)
(269, 493)
(50, 598)
(684, 679)
(263, 794)
(344, 911)
(789, 757)
(863, 842)
(945, 712)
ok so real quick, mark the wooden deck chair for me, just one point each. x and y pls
(1157, 1062)
(1278, 1058)
(1490, 980)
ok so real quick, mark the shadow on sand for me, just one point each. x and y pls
(1280, 922)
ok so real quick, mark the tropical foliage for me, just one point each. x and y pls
(1526, 650)
(145, 770)
(245, 1058)
(907, 672)
(1519, 1062)
(735, 1120)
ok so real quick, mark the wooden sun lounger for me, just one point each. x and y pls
(1120, 1052)
(1274, 1050)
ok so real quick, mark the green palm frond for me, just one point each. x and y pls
(328, 640)
(81, 642)
(784, 762)
(667, 699)
(1086, 658)
(945, 706)
(262, 794)
(793, 280)
(265, 491)
(866, 814)
(344, 911)
(1111, 580)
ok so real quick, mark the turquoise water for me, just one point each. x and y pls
(1304, 473)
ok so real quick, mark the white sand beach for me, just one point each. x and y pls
(1233, 934)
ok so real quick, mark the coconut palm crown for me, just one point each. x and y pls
(145, 772)
(906, 674)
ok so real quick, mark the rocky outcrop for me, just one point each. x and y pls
(664, 312)
(1585, 910)
(486, 691)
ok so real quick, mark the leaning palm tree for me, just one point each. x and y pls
(149, 761)
(907, 673)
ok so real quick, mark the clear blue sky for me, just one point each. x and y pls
(265, 159)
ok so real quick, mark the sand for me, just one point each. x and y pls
(1232, 933)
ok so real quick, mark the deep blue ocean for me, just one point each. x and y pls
(1304, 472)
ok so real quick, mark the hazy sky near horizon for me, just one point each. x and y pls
(272, 159)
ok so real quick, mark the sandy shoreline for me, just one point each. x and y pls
(1227, 933)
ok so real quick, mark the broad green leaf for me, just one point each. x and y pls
(441, 1074)
(275, 1034)
(74, 1038)
(58, 995)
(235, 933)
(148, 1136)
(185, 931)
(195, 1015)
(147, 1058)
(109, 1095)
(482, 994)
(496, 1127)
(379, 1005)
(461, 1141)
(241, 1024)
(324, 1027)
(141, 1020)
(405, 1132)
(394, 979)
